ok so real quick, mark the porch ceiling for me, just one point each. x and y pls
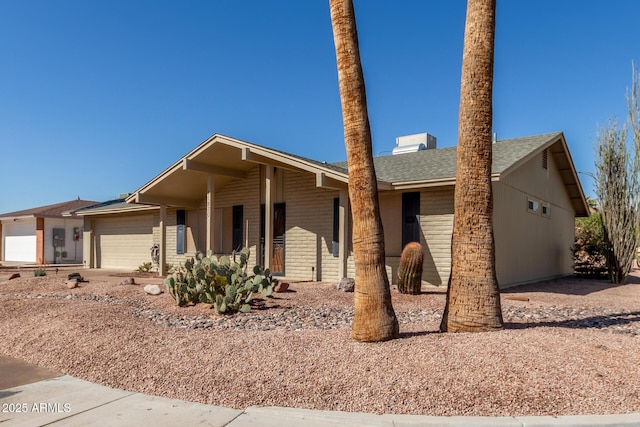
(185, 183)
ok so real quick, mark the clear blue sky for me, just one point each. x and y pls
(98, 97)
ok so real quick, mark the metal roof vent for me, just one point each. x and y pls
(413, 143)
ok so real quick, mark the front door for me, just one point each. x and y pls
(279, 227)
(279, 216)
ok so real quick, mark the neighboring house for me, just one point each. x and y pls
(219, 194)
(43, 235)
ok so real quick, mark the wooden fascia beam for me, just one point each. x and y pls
(250, 156)
(169, 201)
(324, 181)
(192, 165)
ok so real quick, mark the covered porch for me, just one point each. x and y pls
(229, 188)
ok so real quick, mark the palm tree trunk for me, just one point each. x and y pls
(374, 318)
(473, 295)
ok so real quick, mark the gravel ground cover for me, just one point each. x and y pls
(569, 346)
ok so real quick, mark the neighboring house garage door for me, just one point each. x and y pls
(20, 241)
(123, 243)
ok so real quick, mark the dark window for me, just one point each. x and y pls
(410, 218)
(237, 227)
(336, 227)
(545, 160)
(181, 216)
(180, 231)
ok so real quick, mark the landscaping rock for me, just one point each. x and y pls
(14, 276)
(129, 281)
(72, 284)
(75, 276)
(281, 287)
(153, 289)
(346, 284)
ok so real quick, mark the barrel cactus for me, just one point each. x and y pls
(410, 270)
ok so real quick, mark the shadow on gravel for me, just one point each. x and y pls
(594, 322)
(573, 285)
(416, 334)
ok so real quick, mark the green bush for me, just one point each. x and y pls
(223, 283)
(39, 272)
(145, 267)
(589, 248)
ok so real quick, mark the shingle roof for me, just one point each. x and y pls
(50, 211)
(337, 167)
(438, 164)
(112, 205)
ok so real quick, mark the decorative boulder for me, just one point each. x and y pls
(75, 276)
(14, 276)
(153, 289)
(281, 287)
(346, 284)
(72, 284)
(129, 281)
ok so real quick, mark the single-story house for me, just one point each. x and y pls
(293, 212)
(43, 235)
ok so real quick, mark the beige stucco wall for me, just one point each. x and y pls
(529, 245)
(309, 229)
(436, 221)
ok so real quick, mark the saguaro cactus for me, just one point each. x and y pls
(410, 270)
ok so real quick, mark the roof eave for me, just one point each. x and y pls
(441, 182)
(18, 217)
(133, 208)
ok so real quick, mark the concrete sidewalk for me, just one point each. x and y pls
(38, 397)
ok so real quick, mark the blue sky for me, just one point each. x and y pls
(98, 97)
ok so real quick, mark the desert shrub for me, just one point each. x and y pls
(223, 283)
(39, 272)
(145, 267)
(589, 248)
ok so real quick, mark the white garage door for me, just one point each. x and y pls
(20, 241)
(123, 243)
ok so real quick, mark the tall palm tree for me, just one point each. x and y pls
(473, 296)
(374, 318)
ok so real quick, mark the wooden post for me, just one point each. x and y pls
(210, 213)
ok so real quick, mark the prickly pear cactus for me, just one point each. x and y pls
(223, 283)
(410, 270)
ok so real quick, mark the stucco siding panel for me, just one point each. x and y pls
(529, 245)
(309, 229)
(436, 223)
(391, 216)
(544, 184)
(245, 192)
